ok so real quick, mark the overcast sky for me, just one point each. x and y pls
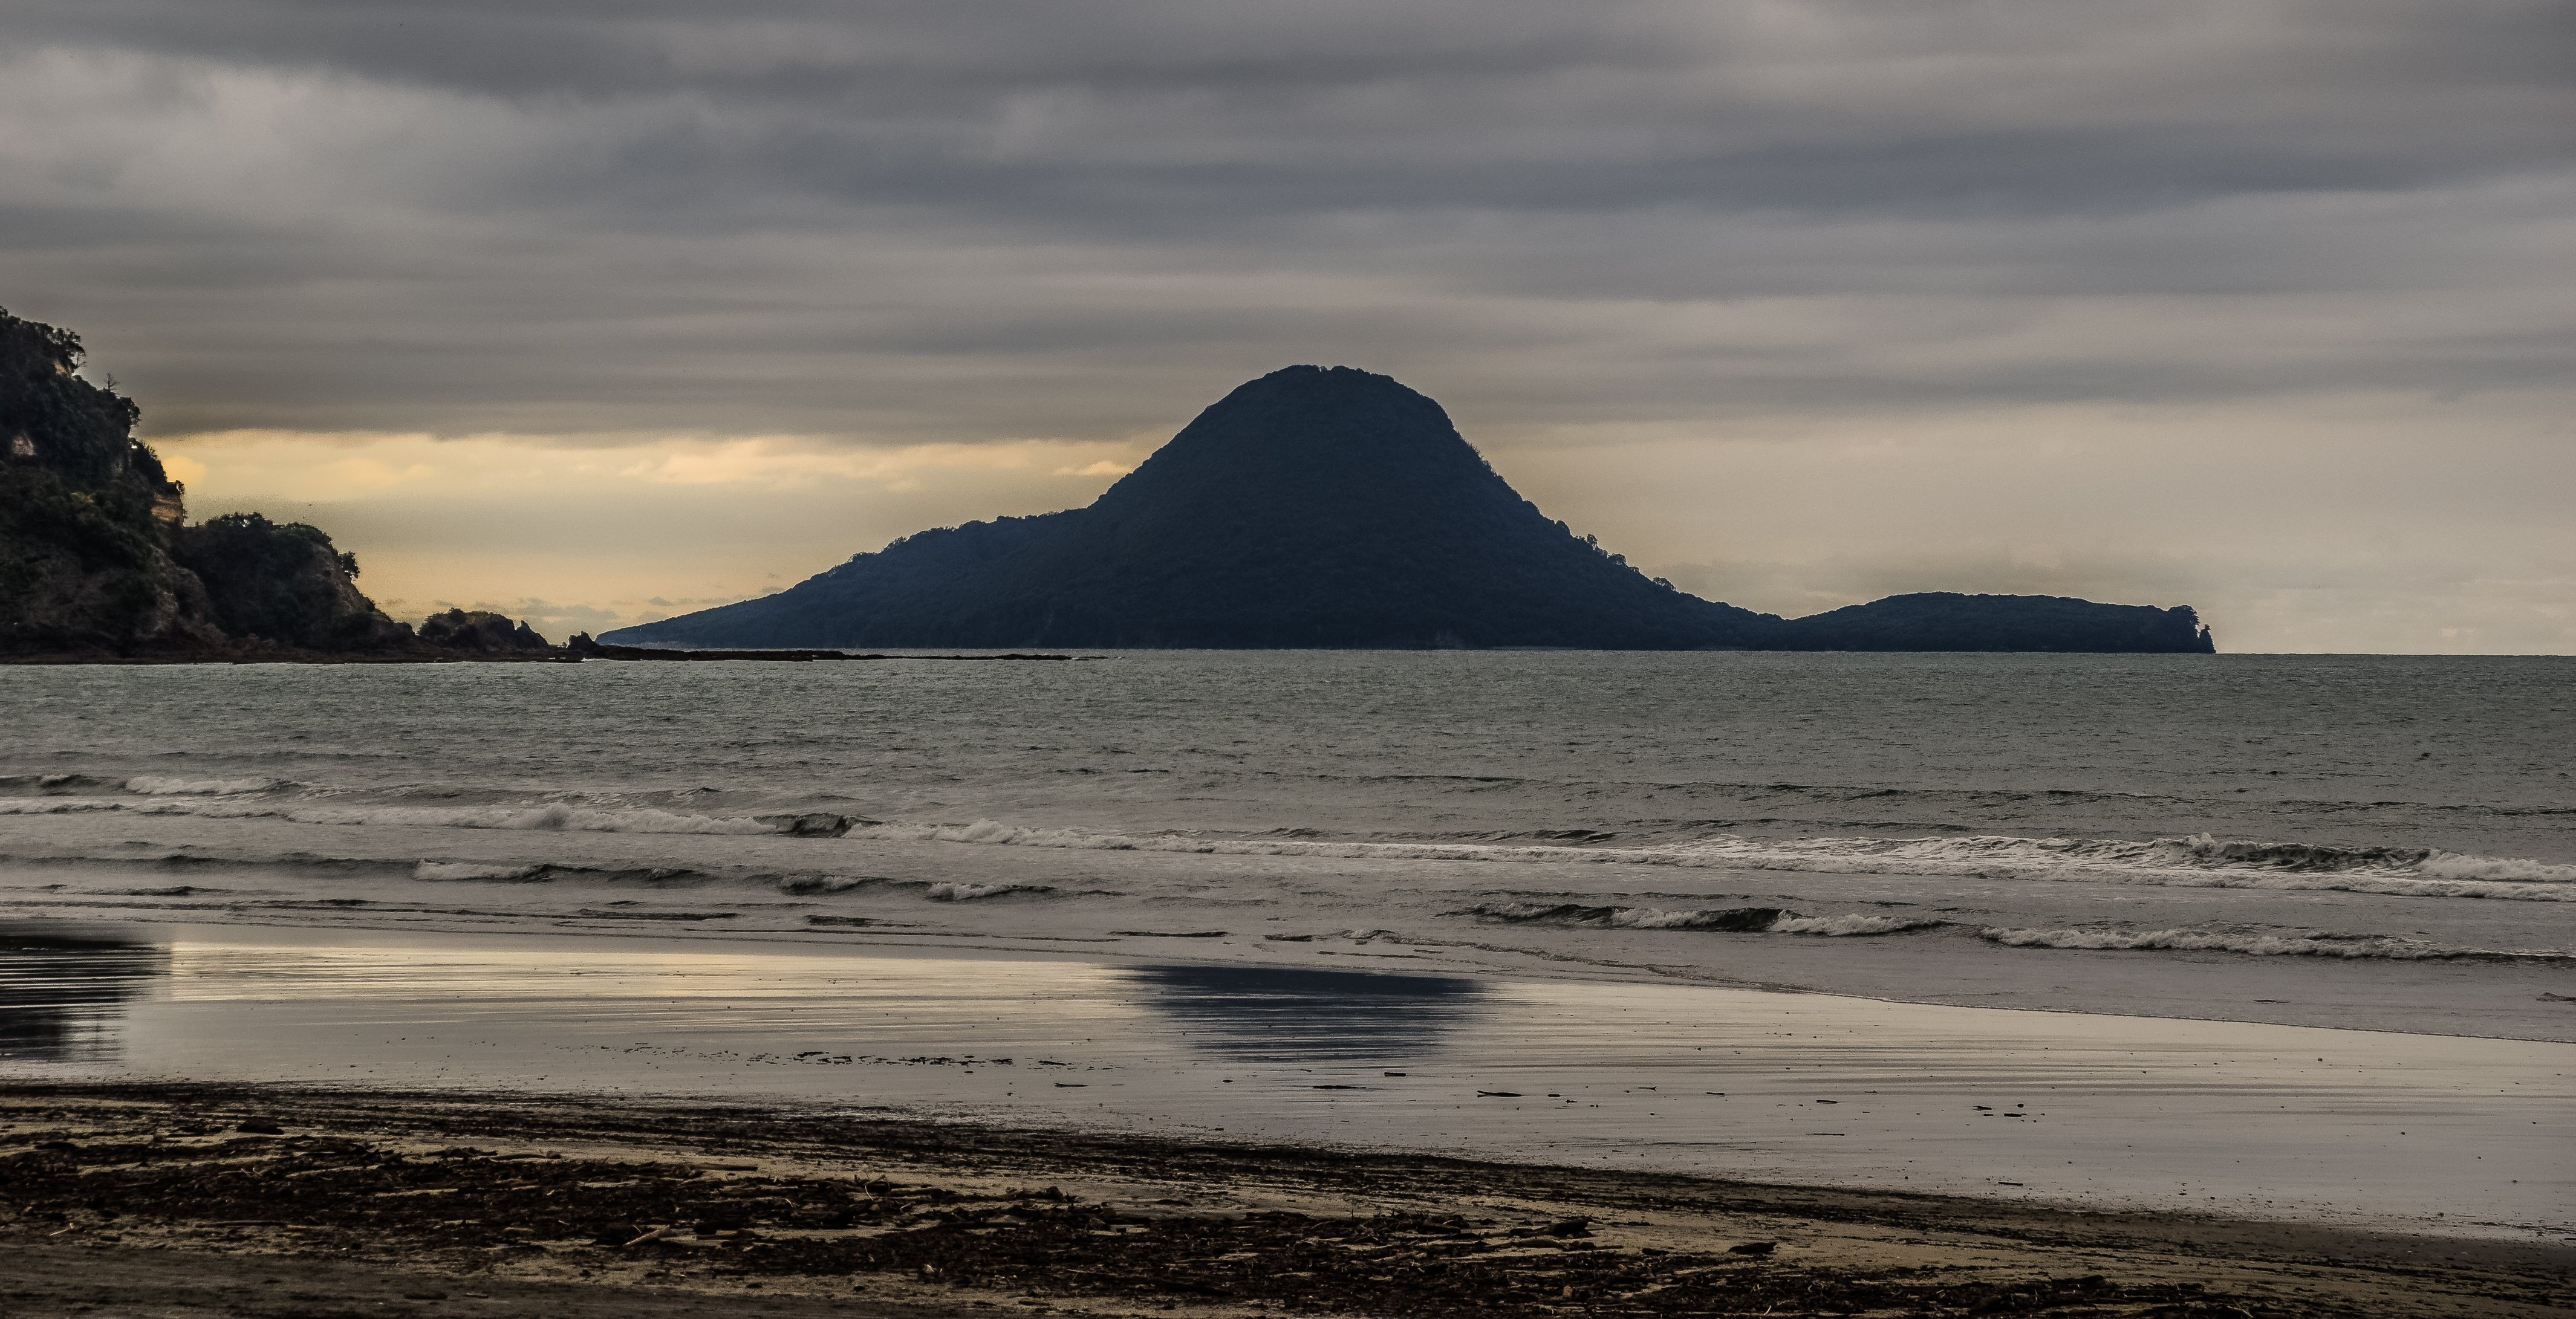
(605, 311)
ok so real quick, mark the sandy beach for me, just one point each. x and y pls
(212, 1200)
(878, 1131)
(2364, 1129)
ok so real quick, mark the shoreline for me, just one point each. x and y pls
(166, 1187)
(870, 941)
(2108, 1114)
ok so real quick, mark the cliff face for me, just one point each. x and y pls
(94, 555)
(84, 512)
(1335, 508)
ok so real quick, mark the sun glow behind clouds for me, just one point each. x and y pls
(590, 532)
(583, 533)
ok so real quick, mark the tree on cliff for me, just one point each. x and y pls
(93, 553)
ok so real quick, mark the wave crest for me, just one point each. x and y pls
(2198, 861)
(950, 892)
(155, 786)
(2258, 945)
(1742, 920)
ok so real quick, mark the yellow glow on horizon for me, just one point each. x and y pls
(594, 532)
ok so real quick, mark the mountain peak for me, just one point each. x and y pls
(1324, 507)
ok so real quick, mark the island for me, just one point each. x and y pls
(1336, 508)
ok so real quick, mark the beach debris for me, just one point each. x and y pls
(1289, 938)
(468, 1206)
(1498, 1094)
(1172, 934)
(1071, 1085)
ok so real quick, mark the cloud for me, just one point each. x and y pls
(933, 258)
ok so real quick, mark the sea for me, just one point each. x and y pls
(2382, 843)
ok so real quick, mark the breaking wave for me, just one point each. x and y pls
(467, 871)
(2259, 945)
(2195, 861)
(1839, 926)
(2199, 861)
(947, 892)
(142, 786)
(17, 785)
(175, 787)
(549, 815)
(1748, 920)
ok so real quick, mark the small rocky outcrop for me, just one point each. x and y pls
(284, 583)
(479, 629)
(1944, 620)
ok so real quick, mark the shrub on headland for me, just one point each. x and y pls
(96, 556)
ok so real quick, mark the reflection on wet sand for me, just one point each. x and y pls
(1261, 1014)
(2116, 1111)
(63, 990)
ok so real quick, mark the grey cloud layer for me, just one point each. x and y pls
(2264, 304)
(912, 221)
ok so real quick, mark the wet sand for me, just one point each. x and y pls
(200, 1200)
(2459, 1137)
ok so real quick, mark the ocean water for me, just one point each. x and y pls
(2382, 843)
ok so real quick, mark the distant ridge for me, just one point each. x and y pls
(1333, 508)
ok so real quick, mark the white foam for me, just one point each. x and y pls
(946, 892)
(552, 816)
(2259, 945)
(1734, 919)
(2459, 866)
(55, 805)
(1845, 926)
(172, 787)
(467, 870)
(1650, 918)
(2194, 862)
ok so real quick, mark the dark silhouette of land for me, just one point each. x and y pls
(98, 562)
(1336, 508)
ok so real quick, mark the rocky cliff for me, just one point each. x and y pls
(96, 556)
(1335, 508)
(86, 512)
